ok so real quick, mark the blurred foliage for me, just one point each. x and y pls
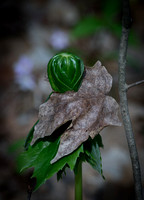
(87, 26)
(110, 19)
(16, 147)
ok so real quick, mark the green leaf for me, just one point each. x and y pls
(69, 160)
(29, 137)
(92, 153)
(36, 154)
(39, 157)
(30, 134)
(89, 25)
(61, 172)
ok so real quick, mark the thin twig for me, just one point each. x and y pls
(126, 23)
(135, 84)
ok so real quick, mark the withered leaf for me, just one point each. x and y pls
(89, 109)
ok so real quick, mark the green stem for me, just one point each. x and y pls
(78, 181)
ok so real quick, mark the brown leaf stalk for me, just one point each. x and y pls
(126, 23)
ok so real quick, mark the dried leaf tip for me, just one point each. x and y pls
(98, 64)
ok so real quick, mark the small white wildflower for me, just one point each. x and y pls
(59, 40)
(23, 73)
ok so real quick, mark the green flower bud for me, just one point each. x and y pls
(65, 72)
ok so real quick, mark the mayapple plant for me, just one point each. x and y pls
(67, 131)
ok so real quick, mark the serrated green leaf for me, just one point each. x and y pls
(98, 139)
(69, 160)
(39, 157)
(92, 153)
(35, 154)
(42, 173)
(61, 172)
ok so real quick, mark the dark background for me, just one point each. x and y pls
(31, 32)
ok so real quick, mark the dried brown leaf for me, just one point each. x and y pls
(89, 109)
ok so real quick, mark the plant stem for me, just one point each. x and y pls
(127, 122)
(78, 181)
(126, 23)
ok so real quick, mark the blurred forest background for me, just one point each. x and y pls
(31, 32)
